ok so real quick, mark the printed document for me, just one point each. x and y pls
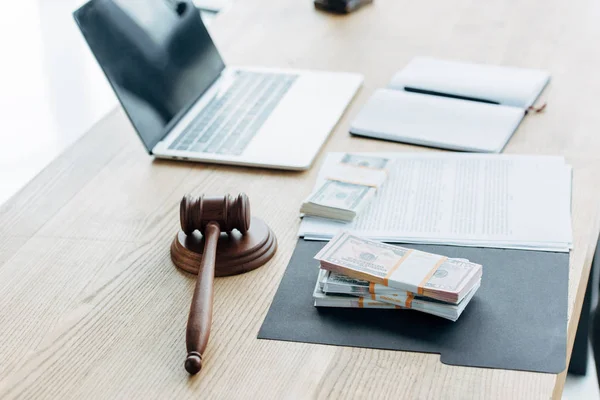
(504, 201)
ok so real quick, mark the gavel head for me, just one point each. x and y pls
(227, 211)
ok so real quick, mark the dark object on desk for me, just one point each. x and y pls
(340, 6)
(589, 317)
(517, 320)
(217, 238)
(588, 328)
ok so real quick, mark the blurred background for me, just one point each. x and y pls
(51, 88)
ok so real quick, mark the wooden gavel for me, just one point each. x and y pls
(211, 216)
(216, 239)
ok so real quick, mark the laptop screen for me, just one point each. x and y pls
(157, 55)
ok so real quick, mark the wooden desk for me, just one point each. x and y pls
(91, 306)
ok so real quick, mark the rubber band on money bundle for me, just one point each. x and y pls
(352, 182)
(395, 267)
(409, 299)
(372, 287)
(427, 277)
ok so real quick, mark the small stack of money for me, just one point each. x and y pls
(348, 188)
(362, 273)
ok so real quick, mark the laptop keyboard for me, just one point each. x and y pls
(230, 120)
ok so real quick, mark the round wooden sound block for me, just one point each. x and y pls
(236, 253)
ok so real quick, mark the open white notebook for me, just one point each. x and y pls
(451, 105)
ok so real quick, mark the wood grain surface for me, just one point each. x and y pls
(92, 307)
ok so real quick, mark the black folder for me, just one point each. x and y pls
(517, 319)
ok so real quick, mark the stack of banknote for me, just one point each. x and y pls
(347, 188)
(362, 273)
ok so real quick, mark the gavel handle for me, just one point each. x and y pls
(200, 318)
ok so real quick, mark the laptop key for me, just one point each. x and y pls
(228, 123)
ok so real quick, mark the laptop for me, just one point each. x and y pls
(186, 104)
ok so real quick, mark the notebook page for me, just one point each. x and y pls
(518, 87)
(437, 121)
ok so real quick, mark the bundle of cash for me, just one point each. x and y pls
(358, 272)
(348, 188)
(335, 290)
